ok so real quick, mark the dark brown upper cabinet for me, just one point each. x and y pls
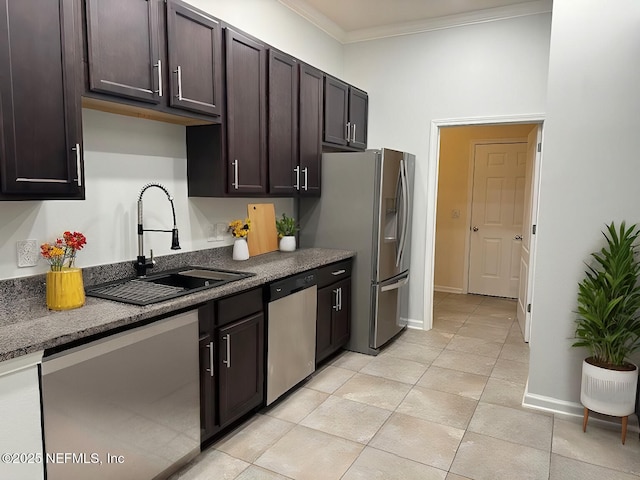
(310, 130)
(345, 115)
(284, 171)
(246, 116)
(40, 113)
(195, 62)
(160, 55)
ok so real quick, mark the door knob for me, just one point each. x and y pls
(475, 229)
(518, 237)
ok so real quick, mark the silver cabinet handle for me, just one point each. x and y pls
(518, 237)
(336, 306)
(235, 174)
(159, 67)
(348, 131)
(178, 71)
(338, 272)
(210, 369)
(353, 137)
(297, 170)
(340, 299)
(227, 362)
(78, 163)
(306, 178)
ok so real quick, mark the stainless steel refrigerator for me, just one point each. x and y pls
(366, 206)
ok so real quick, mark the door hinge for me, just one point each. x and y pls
(534, 229)
(540, 147)
(528, 308)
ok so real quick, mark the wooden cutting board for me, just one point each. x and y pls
(263, 237)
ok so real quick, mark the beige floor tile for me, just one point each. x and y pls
(465, 362)
(225, 467)
(513, 425)
(412, 351)
(373, 464)
(453, 476)
(493, 334)
(502, 392)
(257, 473)
(297, 405)
(446, 326)
(485, 458)
(459, 307)
(440, 407)
(254, 437)
(393, 368)
(514, 372)
(443, 314)
(489, 321)
(514, 337)
(329, 379)
(477, 346)
(429, 338)
(377, 391)
(351, 360)
(439, 296)
(453, 381)
(347, 419)
(518, 352)
(598, 445)
(563, 468)
(419, 440)
(305, 453)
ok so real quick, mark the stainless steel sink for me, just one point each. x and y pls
(164, 286)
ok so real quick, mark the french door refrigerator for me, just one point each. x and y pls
(366, 206)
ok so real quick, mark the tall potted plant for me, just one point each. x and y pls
(608, 325)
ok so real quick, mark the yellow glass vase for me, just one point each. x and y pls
(65, 289)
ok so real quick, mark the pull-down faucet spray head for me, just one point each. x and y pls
(142, 264)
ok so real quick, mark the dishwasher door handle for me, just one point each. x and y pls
(227, 361)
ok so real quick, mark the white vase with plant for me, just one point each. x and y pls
(240, 230)
(286, 228)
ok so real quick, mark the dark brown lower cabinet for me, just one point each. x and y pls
(231, 360)
(333, 326)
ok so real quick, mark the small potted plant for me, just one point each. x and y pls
(608, 325)
(240, 229)
(286, 228)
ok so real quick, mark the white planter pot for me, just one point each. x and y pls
(611, 392)
(288, 243)
(240, 249)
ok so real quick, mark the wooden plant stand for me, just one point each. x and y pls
(625, 420)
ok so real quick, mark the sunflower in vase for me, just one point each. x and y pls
(240, 229)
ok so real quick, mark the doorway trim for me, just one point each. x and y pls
(433, 164)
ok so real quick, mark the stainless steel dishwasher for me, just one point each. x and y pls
(291, 333)
(126, 406)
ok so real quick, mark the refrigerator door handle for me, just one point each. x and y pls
(404, 209)
(394, 286)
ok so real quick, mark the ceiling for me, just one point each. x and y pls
(359, 20)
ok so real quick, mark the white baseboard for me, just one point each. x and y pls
(440, 288)
(413, 323)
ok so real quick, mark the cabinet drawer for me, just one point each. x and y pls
(333, 273)
(238, 306)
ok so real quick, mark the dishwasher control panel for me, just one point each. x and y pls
(292, 284)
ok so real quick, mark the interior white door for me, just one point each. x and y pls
(497, 218)
(524, 292)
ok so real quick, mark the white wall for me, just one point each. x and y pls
(122, 154)
(489, 69)
(589, 175)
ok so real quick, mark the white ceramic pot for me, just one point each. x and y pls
(288, 243)
(611, 392)
(240, 249)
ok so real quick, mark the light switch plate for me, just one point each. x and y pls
(27, 253)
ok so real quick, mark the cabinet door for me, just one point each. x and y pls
(358, 117)
(40, 113)
(310, 136)
(326, 305)
(341, 319)
(194, 42)
(241, 364)
(246, 114)
(284, 174)
(336, 102)
(123, 54)
(207, 387)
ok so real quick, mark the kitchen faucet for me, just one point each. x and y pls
(142, 264)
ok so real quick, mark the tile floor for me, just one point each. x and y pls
(442, 404)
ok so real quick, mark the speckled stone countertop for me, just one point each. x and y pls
(27, 326)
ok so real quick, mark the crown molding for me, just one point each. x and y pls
(409, 28)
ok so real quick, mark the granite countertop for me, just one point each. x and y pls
(27, 326)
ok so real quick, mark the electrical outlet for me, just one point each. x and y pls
(27, 253)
